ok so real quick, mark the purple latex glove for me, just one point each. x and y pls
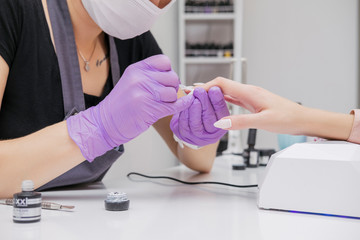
(146, 92)
(195, 125)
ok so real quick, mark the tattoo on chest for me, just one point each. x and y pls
(100, 61)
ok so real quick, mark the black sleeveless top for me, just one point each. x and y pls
(33, 94)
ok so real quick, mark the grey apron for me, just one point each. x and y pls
(73, 95)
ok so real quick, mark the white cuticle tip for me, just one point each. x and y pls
(223, 123)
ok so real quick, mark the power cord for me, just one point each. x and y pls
(191, 183)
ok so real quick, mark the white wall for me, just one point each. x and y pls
(304, 50)
(166, 32)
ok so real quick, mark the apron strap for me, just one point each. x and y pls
(66, 52)
(73, 95)
(114, 60)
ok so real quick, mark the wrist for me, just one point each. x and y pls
(354, 135)
(325, 124)
(86, 130)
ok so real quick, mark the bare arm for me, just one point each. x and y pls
(41, 156)
(277, 114)
(199, 160)
(324, 124)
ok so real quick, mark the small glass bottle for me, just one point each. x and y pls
(27, 204)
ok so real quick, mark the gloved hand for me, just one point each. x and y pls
(146, 92)
(195, 125)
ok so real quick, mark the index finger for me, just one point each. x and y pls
(230, 87)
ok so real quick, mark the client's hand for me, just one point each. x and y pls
(269, 111)
(277, 114)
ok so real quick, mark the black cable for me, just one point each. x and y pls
(191, 183)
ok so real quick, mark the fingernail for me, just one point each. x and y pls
(223, 123)
(190, 89)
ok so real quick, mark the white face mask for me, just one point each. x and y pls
(124, 19)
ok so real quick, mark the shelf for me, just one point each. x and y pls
(209, 16)
(209, 26)
(208, 60)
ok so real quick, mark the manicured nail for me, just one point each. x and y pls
(223, 123)
(189, 90)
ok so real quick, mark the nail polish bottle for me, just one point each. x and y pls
(27, 204)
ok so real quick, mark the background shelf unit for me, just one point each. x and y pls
(209, 16)
(219, 28)
(209, 60)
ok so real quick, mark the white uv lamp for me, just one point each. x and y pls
(319, 178)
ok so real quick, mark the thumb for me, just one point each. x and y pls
(237, 122)
(183, 103)
(159, 63)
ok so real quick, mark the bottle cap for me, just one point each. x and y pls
(27, 185)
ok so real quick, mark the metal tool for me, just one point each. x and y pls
(44, 205)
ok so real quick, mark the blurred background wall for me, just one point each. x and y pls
(304, 50)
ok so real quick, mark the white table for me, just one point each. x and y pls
(161, 209)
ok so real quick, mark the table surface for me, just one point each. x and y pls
(162, 209)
